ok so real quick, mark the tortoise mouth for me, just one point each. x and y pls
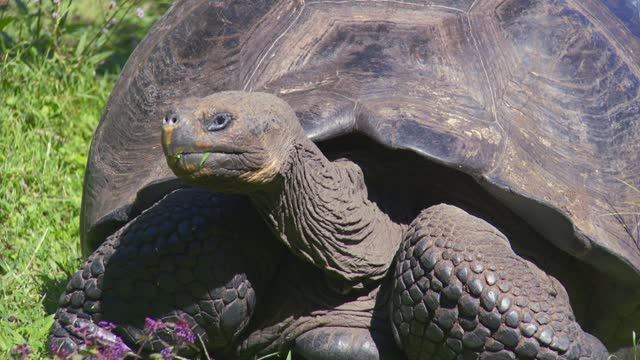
(185, 154)
(193, 162)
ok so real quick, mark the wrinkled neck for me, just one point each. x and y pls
(321, 211)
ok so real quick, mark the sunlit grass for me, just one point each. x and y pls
(46, 123)
(52, 92)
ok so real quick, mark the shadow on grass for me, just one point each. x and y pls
(51, 290)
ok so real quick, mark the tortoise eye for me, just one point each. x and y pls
(219, 121)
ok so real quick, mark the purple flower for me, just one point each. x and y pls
(151, 327)
(140, 12)
(109, 326)
(114, 351)
(112, 4)
(59, 351)
(99, 342)
(57, 2)
(183, 331)
(21, 352)
(55, 15)
(87, 335)
(167, 354)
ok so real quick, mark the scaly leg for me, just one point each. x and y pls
(461, 292)
(195, 255)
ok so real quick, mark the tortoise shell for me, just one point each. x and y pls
(537, 100)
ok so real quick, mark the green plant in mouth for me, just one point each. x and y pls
(203, 160)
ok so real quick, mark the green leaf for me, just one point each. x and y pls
(6, 21)
(268, 356)
(289, 356)
(99, 57)
(45, 110)
(81, 44)
(204, 158)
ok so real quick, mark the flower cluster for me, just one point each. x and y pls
(151, 326)
(183, 332)
(56, 13)
(109, 326)
(99, 343)
(181, 329)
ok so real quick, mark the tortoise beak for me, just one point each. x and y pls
(178, 136)
(179, 145)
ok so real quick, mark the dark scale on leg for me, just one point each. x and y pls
(460, 292)
(193, 255)
(341, 343)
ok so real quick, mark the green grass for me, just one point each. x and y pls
(52, 92)
(46, 124)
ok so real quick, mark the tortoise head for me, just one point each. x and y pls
(229, 141)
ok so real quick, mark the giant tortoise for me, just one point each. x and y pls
(373, 179)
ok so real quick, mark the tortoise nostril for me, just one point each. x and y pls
(170, 119)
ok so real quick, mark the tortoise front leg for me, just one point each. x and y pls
(461, 292)
(194, 255)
